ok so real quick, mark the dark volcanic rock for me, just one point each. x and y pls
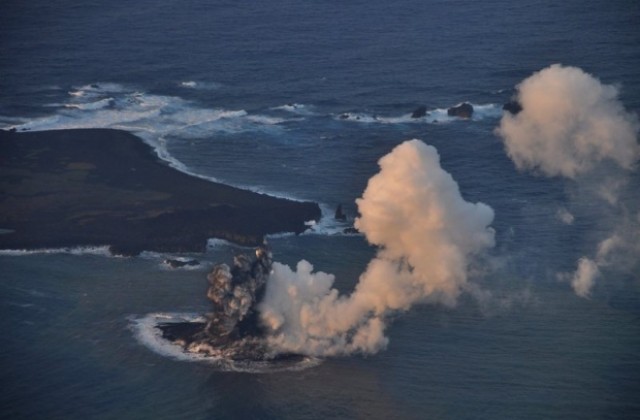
(419, 112)
(181, 333)
(340, 214)
(69, 188)
(464, 110)
(513, 106)
(173, 263)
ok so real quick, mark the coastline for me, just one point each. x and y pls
(87, 187)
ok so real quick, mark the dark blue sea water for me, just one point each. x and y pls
(300, 99)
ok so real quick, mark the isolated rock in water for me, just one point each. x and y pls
(464, 110)
(340, 214)
(419, 112)
(513, 106)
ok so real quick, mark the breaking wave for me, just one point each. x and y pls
(432, 116)
(175, 262)
(198, 85)
(157, 119)
(99, 104)
(152, 117)
(295, 108)
(148, 115)
(328, 225)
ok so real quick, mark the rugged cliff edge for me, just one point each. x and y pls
(106, 187)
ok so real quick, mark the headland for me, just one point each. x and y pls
(65, 188)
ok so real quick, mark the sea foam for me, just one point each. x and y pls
(110, 105)
(157, 119)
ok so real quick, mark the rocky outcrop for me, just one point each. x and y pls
(419, 112)
(513, 106)
(464, 110)
(340, 214)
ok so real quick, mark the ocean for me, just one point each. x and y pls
(301, 100)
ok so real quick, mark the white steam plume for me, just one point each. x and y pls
(565, 216)
(571, 125)
(585, 276)
(427, 235)
(619, 251)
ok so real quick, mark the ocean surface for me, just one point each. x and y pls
(300, 99)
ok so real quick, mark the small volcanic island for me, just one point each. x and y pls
(96, 187)
(68, 188)
(232, 329)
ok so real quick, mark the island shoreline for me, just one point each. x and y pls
(88, 187)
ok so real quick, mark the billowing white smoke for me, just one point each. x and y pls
(585, 277)
(570, 125)
(427, 235)
(620, 249)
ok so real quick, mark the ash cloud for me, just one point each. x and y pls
(573, 126)
(427, 236)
